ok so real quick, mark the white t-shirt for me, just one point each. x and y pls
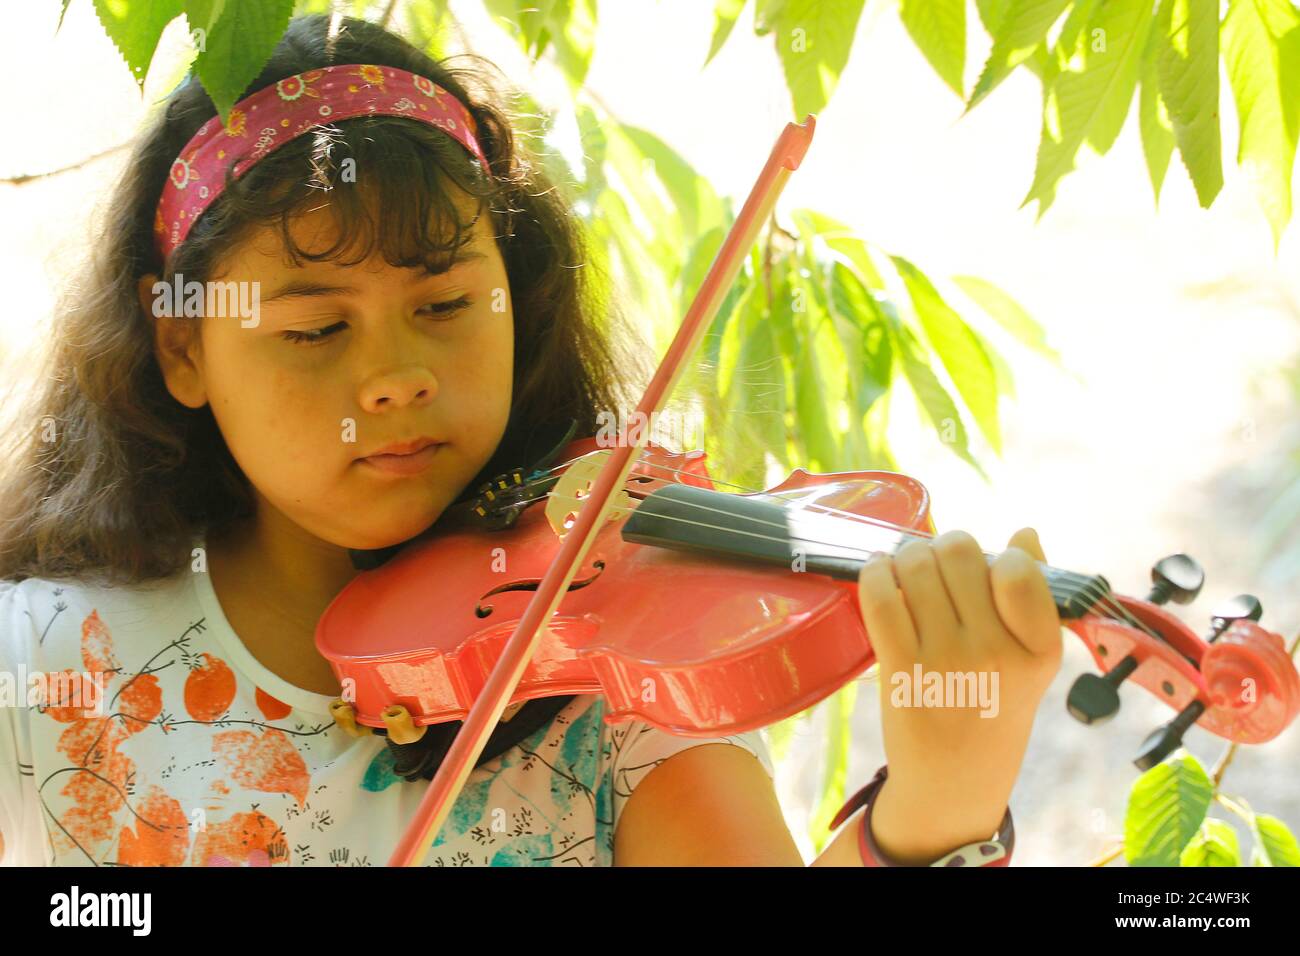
(201, 756)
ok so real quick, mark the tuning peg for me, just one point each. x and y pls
(1167, 738)
(1243, 607)
(1094, 698)
(1178, 578)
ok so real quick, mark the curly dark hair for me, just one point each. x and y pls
(106, 474)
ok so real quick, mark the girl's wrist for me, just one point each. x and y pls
(906, 827)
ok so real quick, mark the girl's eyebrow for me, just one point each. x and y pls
(306, 288)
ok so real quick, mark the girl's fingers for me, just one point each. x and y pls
(965, 572)
(1025, 604)
(1026, 539)
(933, 615)
(889, 625)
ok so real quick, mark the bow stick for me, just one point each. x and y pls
(501, 683)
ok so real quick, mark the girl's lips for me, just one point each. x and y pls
(411, 464)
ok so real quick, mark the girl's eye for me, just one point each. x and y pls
(312, 336)
(451, 306)
(316, 336)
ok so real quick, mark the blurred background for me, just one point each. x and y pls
(1169, 425)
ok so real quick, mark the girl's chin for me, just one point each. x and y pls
(385, 534)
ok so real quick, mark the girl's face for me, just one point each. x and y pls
(344, 361)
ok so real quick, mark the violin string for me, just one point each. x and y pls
(901, 531)
(1090, 589)
(876, 523)
(1094, 591)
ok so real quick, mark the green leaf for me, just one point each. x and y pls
(241, 36)
(1020, 30)
(203, 14)
(692, 275)
(134, 26)
(696, 203)
(595, 148)
(839, 738)
(752, 388)
(1008, 313)
(629, 250)
(938, 27)
(865, 337)
(1187, 65)
(817, 365)
(780, 307)
(1274, 843)
(931, 396)
(840, 239)
(1261, 44)
(1215, 844)
(63, 10)
(813, 41)
(572, 30)
(762, 393)
(532, 17)
(732, 339)
(766, 14)
(779, 736)
(870, 361)
(1002, 375)
(992, 13)
(662, 224)
(702, 253)
(963, 356)
(427, 26)
(1156, 128)
(1040, 61)
(1165, 810)
(1090, 89)
(528, 21)
(725, 15)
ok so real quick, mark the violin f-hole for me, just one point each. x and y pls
(484, 610)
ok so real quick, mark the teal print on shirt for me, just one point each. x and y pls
(381, 775)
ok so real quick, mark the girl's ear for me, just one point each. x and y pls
(176, 343)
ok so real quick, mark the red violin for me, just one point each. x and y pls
(699, 646)
(624, 572)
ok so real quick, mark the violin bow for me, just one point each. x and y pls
(487, 708)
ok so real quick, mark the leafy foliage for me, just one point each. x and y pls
(1167, 822)
(1165, 810)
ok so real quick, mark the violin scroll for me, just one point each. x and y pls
(1237, 682)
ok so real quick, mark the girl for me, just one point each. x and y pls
(182, 505)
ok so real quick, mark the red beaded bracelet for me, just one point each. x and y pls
(995, 852)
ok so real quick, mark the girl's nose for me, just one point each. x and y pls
(399, 387)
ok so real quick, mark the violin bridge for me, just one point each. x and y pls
(566, 498)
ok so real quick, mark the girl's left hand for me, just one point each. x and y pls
(939, 604)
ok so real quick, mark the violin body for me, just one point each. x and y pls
(701, 647)
(682, 642)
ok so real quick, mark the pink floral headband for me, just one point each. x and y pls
(266, 120)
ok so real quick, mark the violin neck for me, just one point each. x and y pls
(802, 538)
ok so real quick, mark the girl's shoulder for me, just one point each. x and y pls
(64, 622)
(630, 750)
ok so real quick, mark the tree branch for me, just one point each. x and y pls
(23, 178)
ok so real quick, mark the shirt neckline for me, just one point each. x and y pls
(299, 698)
